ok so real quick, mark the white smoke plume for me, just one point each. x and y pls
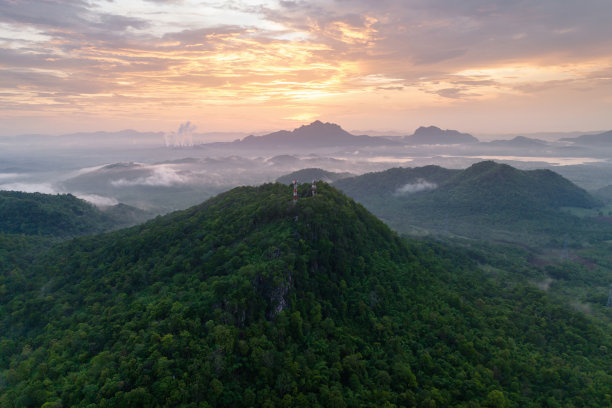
(181, 138)
(420, 185)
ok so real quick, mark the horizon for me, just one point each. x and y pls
(252, 67)
(230, 135)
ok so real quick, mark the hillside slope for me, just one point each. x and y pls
(494, 187)
(305, 175)
(486, 200)
(314, 135)
(60, 215)
(432, 135)
(393, 181)
(247, 300)
(600, 140)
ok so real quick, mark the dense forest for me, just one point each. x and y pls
(312, 174)
(485, 201)
(60, 215)
(248, 300)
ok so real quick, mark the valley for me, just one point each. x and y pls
(317, 204)
(483, 285)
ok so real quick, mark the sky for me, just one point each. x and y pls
(498, 66)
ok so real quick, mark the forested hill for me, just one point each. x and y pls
(390, 182)
(312, 174)
(483, 184)
(60, 215)
(487, 200)
(494, 184)
(247, 300)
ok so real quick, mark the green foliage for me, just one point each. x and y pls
(59, 215)
(387, 183)
(247, 300)
(604, 194)
(306, 175)
(507, 187)
(486, 201)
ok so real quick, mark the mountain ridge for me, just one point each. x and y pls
(518, 142)
(314, 135)
(432, 135)
(600, 139)
(541, 187)
(485, 200)
(60, 215)
(250, 300)
(313, 174)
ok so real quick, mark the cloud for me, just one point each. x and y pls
(54, 14)
(289, 4)
(66, 18)
(97, 200)
(10, 176)
(453, 93)
(390, 88)
(159, 58)
(45, 188)
(162, 176)
(420, 185)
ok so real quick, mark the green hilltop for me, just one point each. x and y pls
(312, 174)
(487, 200)
(387, 183)
(60, 215)
(498, 186)
(248, 300)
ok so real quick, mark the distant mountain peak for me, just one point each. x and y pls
(519, 142)
(312, 174)
(319, 123)
(435, 135)
(528, 141)
(427, 129)
(313, 135)
(489, 165)
(604, 138)
(317, 128)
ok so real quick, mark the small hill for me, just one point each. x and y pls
(61, 215)
(393, 181)
(488, 183)
(486, 200)
(604, 193)
(433, 135)
(124, 215)
(600, 139)
(519, 142)
(283, 160)
(315, 135)
(306, 175)
(248, 300)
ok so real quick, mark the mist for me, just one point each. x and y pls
(421, 185)
(162, 172)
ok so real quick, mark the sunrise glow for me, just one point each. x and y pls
(149, 65)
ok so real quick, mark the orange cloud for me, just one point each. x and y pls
(337, 59)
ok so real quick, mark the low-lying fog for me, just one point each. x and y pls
(150, 175)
